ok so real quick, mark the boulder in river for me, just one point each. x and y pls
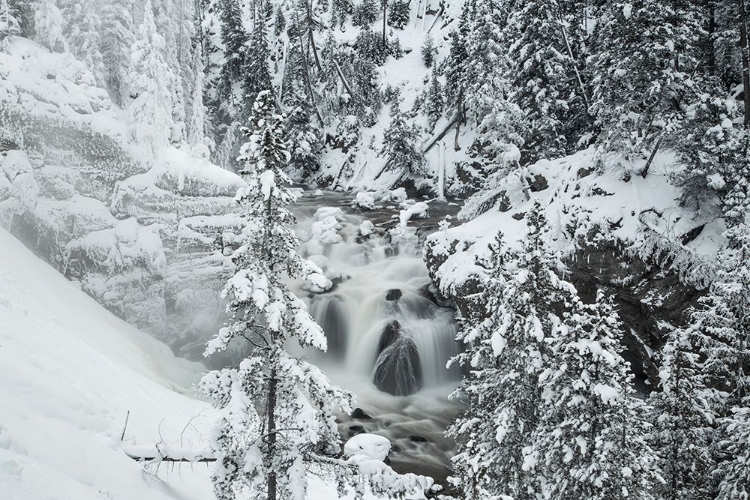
(393, 294)
(397, 370)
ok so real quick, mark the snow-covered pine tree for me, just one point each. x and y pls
(50, 26)
(197, 136)
(546, 55)
(642, 59)
(257, 75)
(428, 51)
(274, 409)
(236, 41)
(8, 22)
(505, 354)
(433, 100)
(83, 34)
(683, 433)
(590, 443)
(399, 146)
(118, 37)
(398, 13)
(151, 110)
(279, 23)
(728, 308)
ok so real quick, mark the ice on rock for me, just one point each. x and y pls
(371, 446)
(365, 201)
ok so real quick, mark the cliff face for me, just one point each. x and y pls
(129, 228)
(613, 231)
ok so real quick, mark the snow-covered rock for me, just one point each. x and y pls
(371, 446)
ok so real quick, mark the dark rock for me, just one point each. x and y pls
(585, 172)
(359, 413)
(391, 333)
(355, 430)
(519, 215)
(538, 183)
(418, 439)
(396, 449)
(393, 294)
(398, 370)
(433, 295)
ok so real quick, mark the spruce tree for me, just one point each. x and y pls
(83, 34)
(399, 148)
(118, 37)
(428, 51)
(151, 110)
(590, 442)
(257, 75)
(274, 409)
(50, 26)
(433, 104)
(506, 354)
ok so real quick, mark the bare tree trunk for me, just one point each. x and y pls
(385, 18)
(312, 38)
(272, 432)
(459, 119)
(307, 77)
(745, 60)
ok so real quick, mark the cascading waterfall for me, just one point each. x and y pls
(388, 340)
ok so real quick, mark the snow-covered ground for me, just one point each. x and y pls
(70, 372)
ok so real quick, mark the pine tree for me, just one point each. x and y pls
(235, 40)
(151, 110)
(428, 51)
(399, 147)
(642, 60)
(398, 13)
(433, 104)
(196, 132)
(727, 311)
(274, 409)
(83, 28)
(304, 139)
(506, 354)
(8, 23)
(118, 37)
(365, 14)
(590, 442)
(279, 24)
(257, 77)
(544, 75)
(50, 26)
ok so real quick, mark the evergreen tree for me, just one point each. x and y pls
(433, 104)
(50, 26)
(642, 60)
(428, 51)
(398, 13)
(590, 442)
(279, 24)
(83, 28)
(506, 354)
(118, 37)
(274, 409)
(545, 74)
(304, 139)
(151, 110)
(365, 13)
(257, 77)
(20, 17)
(8, 22)
(399, 147)
(235, 40)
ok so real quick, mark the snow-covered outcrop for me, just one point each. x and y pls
(131, 229)
(612, 227)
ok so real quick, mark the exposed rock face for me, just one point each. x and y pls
(397, 370)
(393, 294)
(77, 192)
(649, 299)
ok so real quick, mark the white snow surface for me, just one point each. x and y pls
(71, 371)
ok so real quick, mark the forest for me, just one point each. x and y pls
(358, 249)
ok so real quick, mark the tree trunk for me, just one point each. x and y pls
(459, 119)
(272, 432)
(385, 18)
(745, 60)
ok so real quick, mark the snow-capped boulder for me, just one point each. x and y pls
(370, 446)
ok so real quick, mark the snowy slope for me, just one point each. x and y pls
(70, 371)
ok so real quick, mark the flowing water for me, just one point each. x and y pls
(388, 338)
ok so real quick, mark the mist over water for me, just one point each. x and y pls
(381, 322)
